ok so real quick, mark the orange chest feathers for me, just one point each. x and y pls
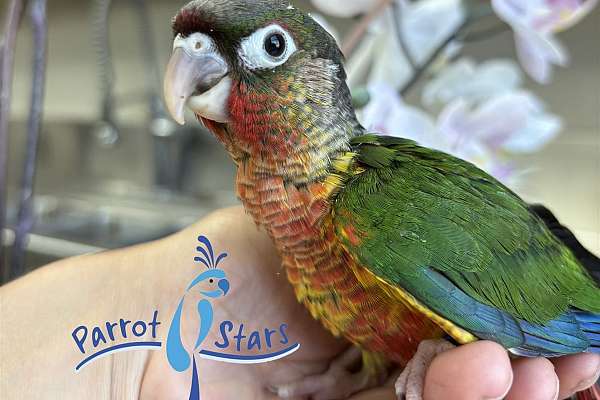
(325, 277)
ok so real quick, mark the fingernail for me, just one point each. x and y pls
(557, 389)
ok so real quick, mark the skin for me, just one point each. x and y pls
(40, 310)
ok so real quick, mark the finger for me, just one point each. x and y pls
(534, 379)
(480, 370)
(349, 357)
(576, 372)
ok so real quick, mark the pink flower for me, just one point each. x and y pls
(379, 57)
(486, 132)
(344, 8)
(534, 23)
(514, 122)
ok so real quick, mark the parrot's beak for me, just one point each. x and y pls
(199, 80)
(224, 286)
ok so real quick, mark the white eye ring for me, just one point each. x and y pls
(254, 55)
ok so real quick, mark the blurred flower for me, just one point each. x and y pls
(344, 8)
(484, 134)
(386, 113)
(515, 122)
(534, 23)
(485, 116)
(465, 79)
(427, 23)
(424, 25)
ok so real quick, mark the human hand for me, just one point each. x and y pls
(40, 310)
(483, 370)
(475, 371)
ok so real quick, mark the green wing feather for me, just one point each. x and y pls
(414, 208)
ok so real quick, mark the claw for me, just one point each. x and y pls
(411, 381)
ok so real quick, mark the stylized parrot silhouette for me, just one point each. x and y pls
(218, 286)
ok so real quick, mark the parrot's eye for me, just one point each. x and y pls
(266, 48)
(211, 280)
(275, 45)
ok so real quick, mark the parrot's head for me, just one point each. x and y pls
(212, 283)
(265, 77)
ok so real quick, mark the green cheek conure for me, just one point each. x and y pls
(386, 242)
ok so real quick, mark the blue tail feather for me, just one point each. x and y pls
(594, 348)
(560, 336)
(582, 316)
(592, 336)
(574, 331)
(590, 325)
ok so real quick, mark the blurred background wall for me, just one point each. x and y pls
(104, 186)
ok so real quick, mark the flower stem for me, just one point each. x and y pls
(420, 71)
(397, 17)
(475, 11)
(355, 36)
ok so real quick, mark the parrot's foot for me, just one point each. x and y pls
(411, 381)
(339, 381)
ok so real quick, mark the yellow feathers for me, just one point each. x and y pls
(460, 335)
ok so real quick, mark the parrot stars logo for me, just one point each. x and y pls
(204, 291)
(213, 284)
